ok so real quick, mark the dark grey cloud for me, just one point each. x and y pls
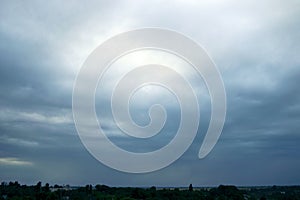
(255, 46)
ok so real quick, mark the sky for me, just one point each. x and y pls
(255, 46)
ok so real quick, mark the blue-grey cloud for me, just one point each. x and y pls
(255, 46)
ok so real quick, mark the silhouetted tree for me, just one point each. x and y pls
(47, 187)
(38, 190)
(263, 198)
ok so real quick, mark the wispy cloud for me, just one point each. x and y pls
(14, 161)
(34, 117)
(18, 141)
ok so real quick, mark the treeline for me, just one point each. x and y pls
(15, 191)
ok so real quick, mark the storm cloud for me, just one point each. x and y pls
(254, 45)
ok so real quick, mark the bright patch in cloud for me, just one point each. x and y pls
(14, 161)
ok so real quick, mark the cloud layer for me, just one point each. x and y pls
(255, 46)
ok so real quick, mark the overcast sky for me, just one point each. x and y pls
(255, 46)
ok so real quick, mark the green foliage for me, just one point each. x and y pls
(227, 192)
(191, 188)
(15, 191)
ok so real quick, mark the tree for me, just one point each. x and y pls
(47, 187)
(38, 188)
(152, 191)
(191, 187)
